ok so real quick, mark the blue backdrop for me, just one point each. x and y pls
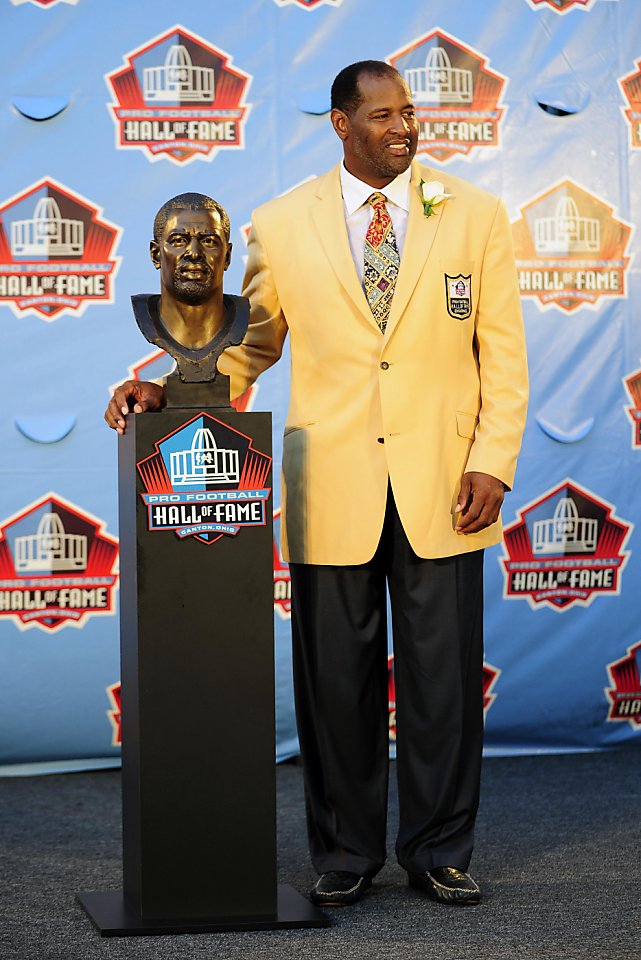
(111, 108)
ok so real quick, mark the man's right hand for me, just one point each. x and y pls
(137, 395)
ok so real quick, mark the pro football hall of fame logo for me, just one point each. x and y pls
(179, 98)
(205, 480)
(624, 693)
(57, 566)
(56, 252)
(566, 548)
(570, 248)
(457, 97)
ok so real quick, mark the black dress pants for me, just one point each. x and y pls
(339, 625)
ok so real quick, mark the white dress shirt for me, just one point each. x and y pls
(358, 213)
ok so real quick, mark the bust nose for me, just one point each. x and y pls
(193, 249)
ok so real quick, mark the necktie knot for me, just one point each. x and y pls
(377, 200)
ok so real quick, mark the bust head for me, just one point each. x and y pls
(192, 249)
(192, 320)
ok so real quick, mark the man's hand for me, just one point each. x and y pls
(136, 395)
(479, 502)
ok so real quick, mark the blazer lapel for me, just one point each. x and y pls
(420, 235)
(329, 219)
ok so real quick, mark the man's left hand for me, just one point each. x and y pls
(479, 502)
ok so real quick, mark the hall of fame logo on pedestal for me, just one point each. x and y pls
(632, 384)
(56, 252)
(570, 248)
(205, 480)
(624, 694)
(566, 548)
(57, 566)
(561, 6)
(630, 87)
(456, 96)
(179, 98)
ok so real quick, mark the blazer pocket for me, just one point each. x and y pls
(466, 424)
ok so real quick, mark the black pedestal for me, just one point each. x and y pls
(197, 673)
(112, 917)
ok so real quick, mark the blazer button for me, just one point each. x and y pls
(381, 439)
(384, 365)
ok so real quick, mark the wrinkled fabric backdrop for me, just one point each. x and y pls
(108, 109)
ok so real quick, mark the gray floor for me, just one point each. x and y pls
(557, 856)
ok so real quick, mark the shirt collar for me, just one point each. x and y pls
(355, 192)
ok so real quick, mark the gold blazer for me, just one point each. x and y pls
(442, 392)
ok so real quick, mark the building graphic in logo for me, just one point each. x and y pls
(457, 97)
(490, 676)
(56, 252)
(632, 384)
(570, 248)
(282, 577)
(566, 548)
(631, 89)
(561, 6)
(179, 98)
(308, 4)
(625, 693)
(205, 480)
(57, 566)
(115, 714)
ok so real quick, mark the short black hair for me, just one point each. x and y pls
(189, 201)
(346, 95)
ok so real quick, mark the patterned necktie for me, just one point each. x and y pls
(382, 261)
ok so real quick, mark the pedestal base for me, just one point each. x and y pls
(112, 917)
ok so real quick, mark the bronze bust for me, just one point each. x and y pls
(192, 319)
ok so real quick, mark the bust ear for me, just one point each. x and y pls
(228, 257)
(154, 253)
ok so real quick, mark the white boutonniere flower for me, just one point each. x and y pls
(432, 194)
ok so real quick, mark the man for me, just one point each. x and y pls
(406, 412)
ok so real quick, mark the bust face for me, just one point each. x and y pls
(192, 255)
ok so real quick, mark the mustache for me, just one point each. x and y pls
(193, 263)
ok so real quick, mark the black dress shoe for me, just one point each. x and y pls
(447, 885)
(339, 888)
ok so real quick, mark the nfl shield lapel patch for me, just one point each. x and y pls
(458, 296)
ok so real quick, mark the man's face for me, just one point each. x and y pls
(192, 255)
(380, 137)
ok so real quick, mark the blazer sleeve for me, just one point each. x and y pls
(263, 342)
(502, 358)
